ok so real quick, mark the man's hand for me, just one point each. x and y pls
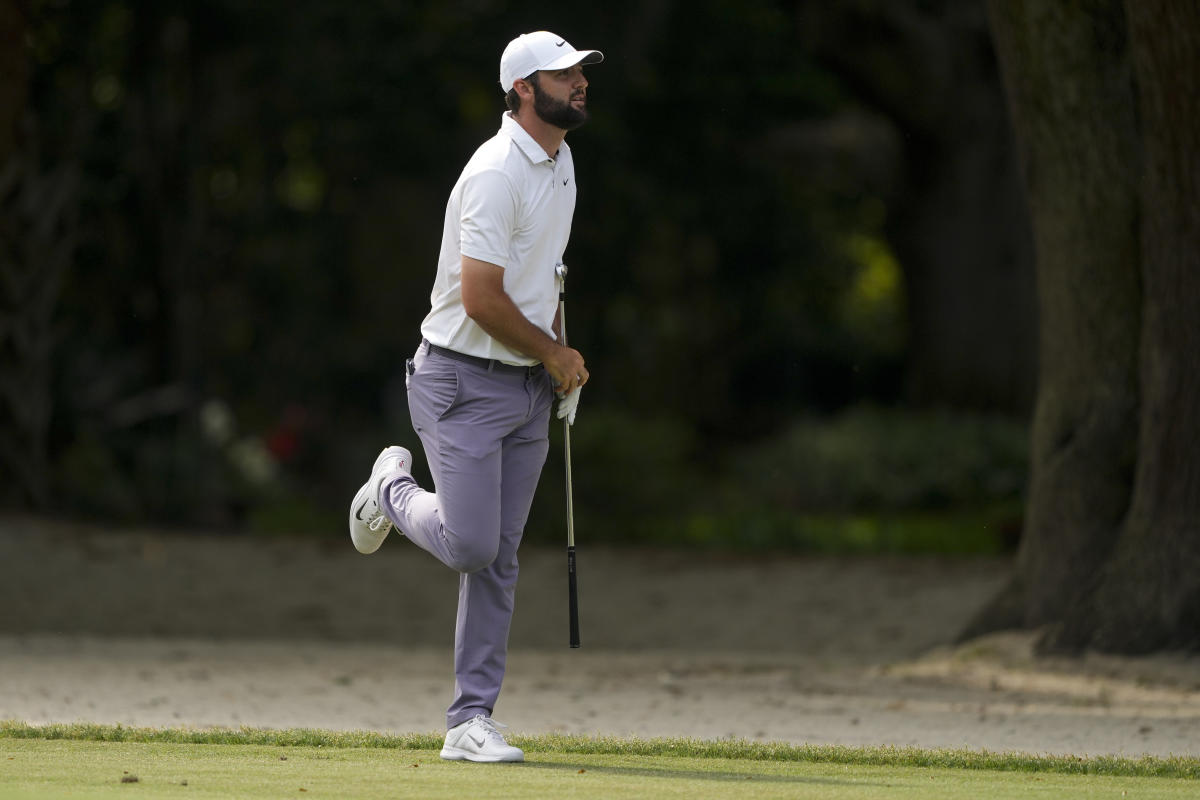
(569, 375)
(566, 369)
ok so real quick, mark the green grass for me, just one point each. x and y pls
(55, 761)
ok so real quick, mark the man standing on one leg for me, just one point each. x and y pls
(481, 384)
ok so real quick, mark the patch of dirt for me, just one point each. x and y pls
(159, 628)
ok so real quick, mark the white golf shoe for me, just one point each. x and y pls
(369, 526)
(478, 739)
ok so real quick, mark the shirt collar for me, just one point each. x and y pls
(532, 150)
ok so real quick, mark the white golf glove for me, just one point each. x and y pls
(568, 404)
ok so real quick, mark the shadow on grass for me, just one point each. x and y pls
(694, 774)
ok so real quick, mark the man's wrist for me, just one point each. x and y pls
(548, 351)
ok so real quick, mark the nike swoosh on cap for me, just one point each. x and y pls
(560, 44)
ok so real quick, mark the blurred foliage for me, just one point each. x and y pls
(870, 458)
(971, 532)
(260, 211)
(867, 479)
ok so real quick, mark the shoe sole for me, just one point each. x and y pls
(455, 754)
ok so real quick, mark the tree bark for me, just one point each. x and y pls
(1148, 596)
(1071, 95)
(1106, 104)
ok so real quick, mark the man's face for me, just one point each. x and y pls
(560, 97)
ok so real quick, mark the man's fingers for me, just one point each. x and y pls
(567, 384)
(567, 371)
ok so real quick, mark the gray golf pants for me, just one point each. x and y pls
(485, 434)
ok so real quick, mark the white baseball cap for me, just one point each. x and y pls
(531, 52)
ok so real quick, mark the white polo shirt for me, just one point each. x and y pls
(512, 206)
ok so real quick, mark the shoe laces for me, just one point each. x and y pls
(491, 727)
(377, 521)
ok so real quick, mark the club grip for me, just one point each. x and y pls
(572, 597)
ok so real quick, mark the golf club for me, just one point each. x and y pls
(572, 586)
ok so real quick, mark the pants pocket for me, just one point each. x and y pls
(433, 388)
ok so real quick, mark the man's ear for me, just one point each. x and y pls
(524, 89)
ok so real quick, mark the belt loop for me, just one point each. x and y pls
(491, 363)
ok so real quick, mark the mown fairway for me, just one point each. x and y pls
(32, 767)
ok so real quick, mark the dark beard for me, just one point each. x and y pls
(557, 113)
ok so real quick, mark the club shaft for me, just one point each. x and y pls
(572, 582)
(562, 327)
(570, 490)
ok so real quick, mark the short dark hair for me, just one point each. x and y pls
(513, 100)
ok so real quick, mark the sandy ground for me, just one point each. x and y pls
(147, 628)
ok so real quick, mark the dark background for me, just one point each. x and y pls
(801, 271)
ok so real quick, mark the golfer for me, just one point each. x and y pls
(482, 382)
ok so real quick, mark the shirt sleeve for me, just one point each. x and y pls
(488, 217)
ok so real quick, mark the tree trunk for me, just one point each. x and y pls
(1149, 594)
(1070, 90)
(1106, 101)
